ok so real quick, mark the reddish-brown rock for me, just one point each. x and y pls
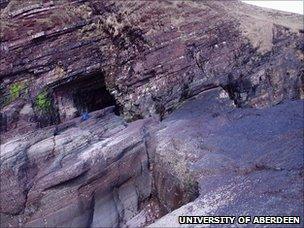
(151, 54)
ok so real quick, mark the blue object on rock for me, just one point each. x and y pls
(85, 116)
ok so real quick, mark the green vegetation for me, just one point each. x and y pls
(15, 90)
(42, 102)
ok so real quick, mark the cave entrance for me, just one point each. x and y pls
(92, 96)
(83, 95)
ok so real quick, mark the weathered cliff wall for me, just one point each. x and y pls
(70, 68)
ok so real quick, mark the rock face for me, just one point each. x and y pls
(115, 113)
(77, 174)
(103, 172)
(246, 161)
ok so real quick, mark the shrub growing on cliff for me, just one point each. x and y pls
(42, 102)
(15, 90)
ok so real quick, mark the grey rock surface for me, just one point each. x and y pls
(206, 158)
(76, 174)
(246, 161)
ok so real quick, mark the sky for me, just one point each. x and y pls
(294, 6)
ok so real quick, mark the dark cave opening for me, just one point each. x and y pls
(84, 95)
(92, 97)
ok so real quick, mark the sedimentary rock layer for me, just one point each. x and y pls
(76, 174)
(114, 113)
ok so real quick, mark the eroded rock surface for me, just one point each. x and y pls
(246, 161)
(104, 172)
(79, 174)
(115, 113)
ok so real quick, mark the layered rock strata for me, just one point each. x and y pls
(76, 174)
(115, 113)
